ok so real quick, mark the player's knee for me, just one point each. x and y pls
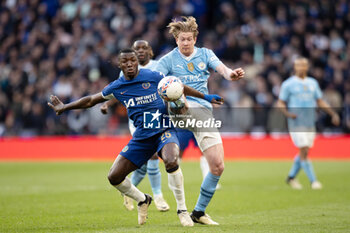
(303, 153)
(171, 162)
(217, 169)
(115, 179)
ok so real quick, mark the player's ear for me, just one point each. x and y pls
(150, 51)
(118, 63)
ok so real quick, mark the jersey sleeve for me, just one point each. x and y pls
(163, 66)
(107, 92)
(213, 60)
(284, 92)
(318, 92)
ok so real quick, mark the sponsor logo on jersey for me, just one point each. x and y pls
(123, 92)
(125, 149)
(191, 78)
(140, 100)
(180, 66)
(146, 85)
(201, 66)
(190, 66)
(213, 58)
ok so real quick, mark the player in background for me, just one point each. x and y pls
(302, 95)
(191, 64)
(144, 54)
(137, 90)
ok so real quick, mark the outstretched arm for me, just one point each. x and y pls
(230, 74)
(84, 102)
(327, 108)
(214, 99)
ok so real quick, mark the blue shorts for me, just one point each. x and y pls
(140, 151)
(185, 136)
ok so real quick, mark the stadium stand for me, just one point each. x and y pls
(68, 48)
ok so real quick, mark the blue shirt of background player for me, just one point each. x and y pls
(301, 96)
(139, 95)
(193, 71)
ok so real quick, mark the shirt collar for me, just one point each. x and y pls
(189, 57)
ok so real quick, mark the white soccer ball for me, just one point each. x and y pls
(170, 88)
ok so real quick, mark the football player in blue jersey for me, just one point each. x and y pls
(144, 54)
(137, 90)
(191, 65)
(302, 95)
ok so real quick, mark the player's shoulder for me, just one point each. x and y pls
(311, 80)
(149, 72)
(146, 71)
(153, 62)
(204, 50)
(114, 85)
(116, 82)
(207, 54)
(290, 80)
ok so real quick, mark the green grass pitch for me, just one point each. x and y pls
(76, 197)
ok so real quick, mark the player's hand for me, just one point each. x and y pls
(56, 104)
(104, 108)
(214, 99)
(291, 115)
(237, 74)
(335, 119)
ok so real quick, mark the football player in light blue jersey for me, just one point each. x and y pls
(144, 54)
(191, 64)
(302, 95)
(137, 91)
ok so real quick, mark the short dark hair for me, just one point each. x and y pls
(126, 50)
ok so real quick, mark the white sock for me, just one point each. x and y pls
(176, 184)
(128, 189)
(204, 166)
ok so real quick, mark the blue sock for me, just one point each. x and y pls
(307, 166)
(154, 176)
(138, 175)
(208, 188)
(295, 168)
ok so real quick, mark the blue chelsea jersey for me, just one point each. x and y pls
(140, 97)
(193, 71)
(301, 96)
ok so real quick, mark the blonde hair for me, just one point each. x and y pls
(187, 25)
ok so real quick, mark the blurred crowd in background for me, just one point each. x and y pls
(68, 48)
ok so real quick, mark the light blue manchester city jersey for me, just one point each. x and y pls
(192, 70)
(301, 96)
